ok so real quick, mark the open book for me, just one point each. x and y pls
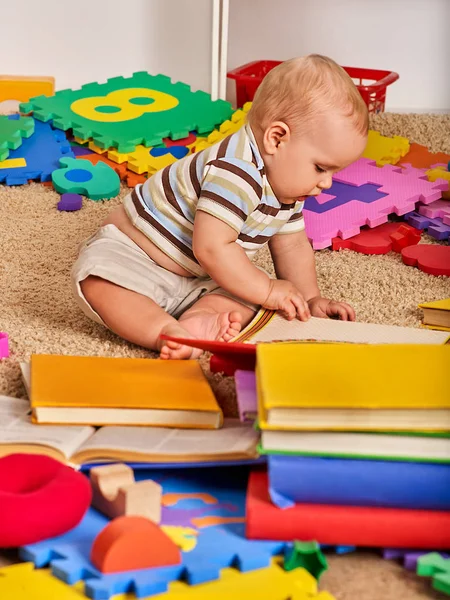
(269, 326)
(84, 444)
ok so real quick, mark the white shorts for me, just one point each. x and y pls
(112, 255)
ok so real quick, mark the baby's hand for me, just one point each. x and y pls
(323, 308)
(286, 298)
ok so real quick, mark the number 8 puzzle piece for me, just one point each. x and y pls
(125, 112)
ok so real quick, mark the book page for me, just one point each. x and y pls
(330, 330)
(16, 428)
(12, 410)
(234, 437)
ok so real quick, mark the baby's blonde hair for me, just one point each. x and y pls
(300, 90)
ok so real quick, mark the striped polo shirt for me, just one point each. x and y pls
(227, 181)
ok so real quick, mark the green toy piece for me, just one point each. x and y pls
(98, 182)
(11, 133)
(125, 112)
(436, 566)
(307, 555)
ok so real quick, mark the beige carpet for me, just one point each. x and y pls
(38, 246)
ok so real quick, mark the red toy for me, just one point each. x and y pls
(429, 258)
(131, 542)
(40, 498)
(381, 239)
(347, 525)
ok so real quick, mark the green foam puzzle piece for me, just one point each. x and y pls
(98, 182)
(125, 112)
(307, 555)
(436, 566)
(11, 133)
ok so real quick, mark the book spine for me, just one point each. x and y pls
(342, 525)
(350, 482)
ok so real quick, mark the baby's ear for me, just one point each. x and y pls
(276, 134)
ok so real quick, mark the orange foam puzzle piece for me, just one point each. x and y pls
(18, 87)
(130, 543)
(420, 157)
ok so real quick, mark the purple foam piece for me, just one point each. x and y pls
(410, 557)
(435, 227)
(343, 193)
(81, 151)
(399, 190)
(70, 202)
(246, 394)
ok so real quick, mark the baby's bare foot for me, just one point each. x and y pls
(201, 324)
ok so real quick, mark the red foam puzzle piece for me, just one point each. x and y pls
(131, 542)
(429, 258)
(40, 498)
(381, 239)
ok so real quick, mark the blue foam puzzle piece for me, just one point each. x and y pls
(218, 546)
(41, 152)
(344, 193)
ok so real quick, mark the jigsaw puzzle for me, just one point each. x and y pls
(12, 131)
(409, 557)
(125, 112)
(37, 157)
(434, 226)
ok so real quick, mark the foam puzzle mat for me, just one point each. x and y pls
(125, 112)
(364, 194)
(24, 582)
(37, 157)
(204, 513)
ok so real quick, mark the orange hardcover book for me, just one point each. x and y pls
(98, 390)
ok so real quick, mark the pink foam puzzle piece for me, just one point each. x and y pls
(4, 345)
(404, 186)
(436, 210)
(446, 219)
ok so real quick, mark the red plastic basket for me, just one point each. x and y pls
(371, 83)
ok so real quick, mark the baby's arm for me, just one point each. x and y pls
(215, 247)
(293, 258)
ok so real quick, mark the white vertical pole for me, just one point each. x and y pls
(223, 48)
(215, 43)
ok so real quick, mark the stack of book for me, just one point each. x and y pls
(86, 410)
(357, 442)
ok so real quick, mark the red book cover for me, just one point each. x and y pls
(343, 525)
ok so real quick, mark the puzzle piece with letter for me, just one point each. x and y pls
(125, 112)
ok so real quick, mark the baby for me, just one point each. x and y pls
(175, 257)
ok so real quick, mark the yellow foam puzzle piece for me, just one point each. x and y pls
(23, 581)
(385, 150)
(13, 163)
(238, 118)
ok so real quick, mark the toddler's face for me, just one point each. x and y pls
(303, 164)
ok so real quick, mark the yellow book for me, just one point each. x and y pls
(97, 390)
(353, 387)
(436, 315)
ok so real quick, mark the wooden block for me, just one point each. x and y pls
(17, 87)
(115, 493)
(129, 543)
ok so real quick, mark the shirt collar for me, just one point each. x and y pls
(254, 147)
